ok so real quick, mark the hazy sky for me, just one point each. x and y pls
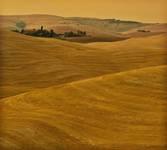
(142, 10)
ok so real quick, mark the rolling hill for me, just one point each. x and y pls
(57, 94)
(28, 62)
(72, 23)
(99, 30)
(125, 110)
(152, 42)
(154, 29)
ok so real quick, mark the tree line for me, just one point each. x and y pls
(21, 28)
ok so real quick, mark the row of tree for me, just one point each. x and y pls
(20, 27)
(40, 32)
(73, 34)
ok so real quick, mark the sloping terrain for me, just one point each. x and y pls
(153, 29)
(113, 25)
(67, 96)
(98, 30)
(155, 42)
(28, 62)
(123, 111)
(72, 23)
(61, 25)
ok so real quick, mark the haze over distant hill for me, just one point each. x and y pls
(97, 29)
(78, 22)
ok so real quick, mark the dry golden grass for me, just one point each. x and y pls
(123, 111)
(66, 96)
(29, 62)
(153, 28)
(150, 43)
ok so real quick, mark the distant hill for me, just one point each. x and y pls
(111, 25)
(99, 30)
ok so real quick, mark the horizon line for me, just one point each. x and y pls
(100, 18)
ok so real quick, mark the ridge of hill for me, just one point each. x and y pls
(119, 111)
(98, 30)
(51, 20)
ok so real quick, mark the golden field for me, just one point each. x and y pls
(60, 95)
(29, 62)
(121, 111)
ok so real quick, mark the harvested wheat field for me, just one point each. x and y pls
(119, 111)
(24, 59)
(61, 95)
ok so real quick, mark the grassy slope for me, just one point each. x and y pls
(59, 24)
(153, 28)
(122, 111)
(155, 42)
(62, 24)
(99, 29)
(91, 25)
(28, 62)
